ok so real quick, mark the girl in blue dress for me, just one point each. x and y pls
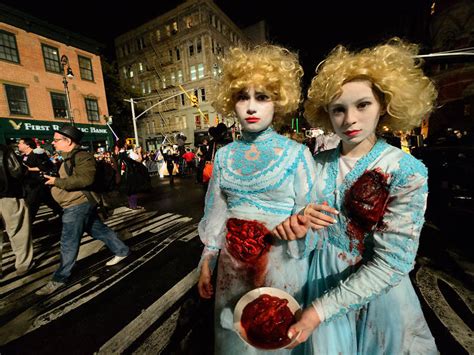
(361, 300)
(262, 177)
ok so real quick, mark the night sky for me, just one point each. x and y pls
(311, 32)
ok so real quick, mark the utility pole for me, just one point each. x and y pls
(134, 120)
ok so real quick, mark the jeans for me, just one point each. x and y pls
(76, 220)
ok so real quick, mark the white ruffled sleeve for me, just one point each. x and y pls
(212, 225)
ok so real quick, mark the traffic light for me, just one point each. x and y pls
(194, 100)
(130, 141)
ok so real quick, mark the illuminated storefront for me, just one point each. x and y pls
(11, 130)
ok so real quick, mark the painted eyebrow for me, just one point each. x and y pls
(365, 98)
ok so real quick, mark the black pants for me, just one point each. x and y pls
(37, 195)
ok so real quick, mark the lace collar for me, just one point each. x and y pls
(254, 137)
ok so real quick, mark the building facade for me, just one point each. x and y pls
(49, 77)
(179, 50)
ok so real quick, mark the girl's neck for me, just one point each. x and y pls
(360, 149)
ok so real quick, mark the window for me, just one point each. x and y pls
(148, 86)
(200, 71)
(158, 35)
(141, 43)
(125, 72)
(203, 94)
(182, 99)
(142, 84)
(85, 68)
(193, 73)
(92, 108)
(8, 48)
(189, 21)
(173, 78)
(175, 28)
(191, 49)
(130, 72)
(140, 67)
(178, 56)
(199, 45)
(180, 76)
(168, 30)
(51, 59)
(17, 101)
(59, 102)
(197, 120)
(170, 55)
(163, 80)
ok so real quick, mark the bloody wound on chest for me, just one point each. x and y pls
(365, 204)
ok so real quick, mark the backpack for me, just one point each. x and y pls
(105, 175)
(11, 170)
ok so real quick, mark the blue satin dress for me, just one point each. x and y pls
(361, 286)
(264, 177)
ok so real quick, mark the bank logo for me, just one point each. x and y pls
(16, 126)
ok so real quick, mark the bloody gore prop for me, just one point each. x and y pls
(266, 321)
(365, 203)
(247, 240)
(249, 243)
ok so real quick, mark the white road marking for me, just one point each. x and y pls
(426, 280)
(123, 339)
(29, 320)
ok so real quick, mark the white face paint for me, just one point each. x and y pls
(354, 117)
(255, 110)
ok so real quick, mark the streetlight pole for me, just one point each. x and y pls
(134, 119)
(67, 73)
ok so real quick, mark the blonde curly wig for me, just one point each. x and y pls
(406, 94)
(269, 68)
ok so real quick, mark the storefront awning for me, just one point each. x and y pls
(17, 128)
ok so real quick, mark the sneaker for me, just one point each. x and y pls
(49, 288)
(115, 260)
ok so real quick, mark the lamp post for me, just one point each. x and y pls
(67, 73)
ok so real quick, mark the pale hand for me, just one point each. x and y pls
(292, 228)
(50, 180)
(205, 288)
(319, 220)
(303, 328)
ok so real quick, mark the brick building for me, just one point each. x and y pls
(33, 96)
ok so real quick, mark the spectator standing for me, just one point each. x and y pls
(36, 191)
(14, 212)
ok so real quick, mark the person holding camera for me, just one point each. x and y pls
(70, 190)
(36, 191)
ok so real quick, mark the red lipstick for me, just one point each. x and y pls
(352, 133)
(252, 119)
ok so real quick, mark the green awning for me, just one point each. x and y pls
(17, 128)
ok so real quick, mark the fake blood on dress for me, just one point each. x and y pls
(365, 203)
(266, 321)
(249, 243)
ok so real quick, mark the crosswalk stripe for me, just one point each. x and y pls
(427, 283)
(36, 316)
(123, 339)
